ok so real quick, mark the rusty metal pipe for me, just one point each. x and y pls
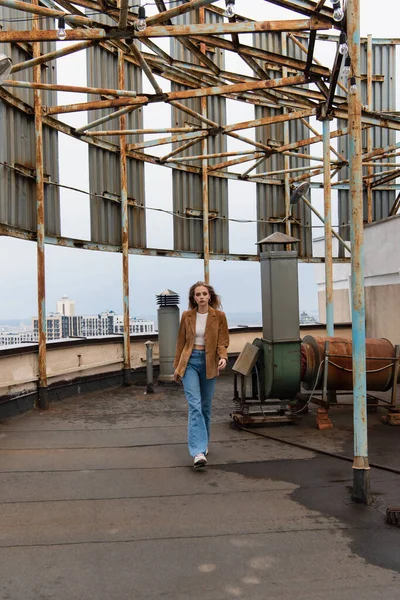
(204, 178)
(145, 67)
(111, 132)
(170, 140)
(369, 132)
(360, 464)
(286, 159)
(124, 231)
(51, 87)
(177, 10)
(328, 229)
(105, 119)
(83, 106)
(320, 217)
(27, 64)
(35, 9)
(43, 401)
(123, 14)
(51, 36)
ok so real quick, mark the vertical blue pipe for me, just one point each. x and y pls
(328, 228)
(360, 464)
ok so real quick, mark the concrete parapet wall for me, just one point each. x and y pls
(77, 360)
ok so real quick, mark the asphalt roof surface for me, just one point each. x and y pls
(99, 500)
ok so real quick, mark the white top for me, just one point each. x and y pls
(201, 320)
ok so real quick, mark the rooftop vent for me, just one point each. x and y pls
(167, 298)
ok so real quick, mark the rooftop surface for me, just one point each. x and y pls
(99, 501)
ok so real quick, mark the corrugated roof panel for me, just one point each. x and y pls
(105, 214)
(383, 98)
(271, 198)
(17, 142)
(104, 166)
(187, 187)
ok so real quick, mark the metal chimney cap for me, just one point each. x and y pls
(278, 238)
(168, 292)
(167, 298)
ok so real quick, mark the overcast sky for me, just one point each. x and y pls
(94, 279)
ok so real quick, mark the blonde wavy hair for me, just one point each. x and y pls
(215, 300)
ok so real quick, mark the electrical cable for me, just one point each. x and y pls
(316, 450)
(390, 366)
(303, 407)
(143, 207)
(313, 390)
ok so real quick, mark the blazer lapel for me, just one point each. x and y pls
(210, 319)
(192, 320)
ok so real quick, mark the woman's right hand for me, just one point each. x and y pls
(177, 377)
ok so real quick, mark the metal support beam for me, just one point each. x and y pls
(321, 218)
(369, 131)
(328, 229)
(54, 87)
(286, 159)
(204, 178)
(361, 469)
(124, 230)
(43, 401)
(27, 64)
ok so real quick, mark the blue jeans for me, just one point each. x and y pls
(199, 392)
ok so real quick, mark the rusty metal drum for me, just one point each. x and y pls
(380, 354)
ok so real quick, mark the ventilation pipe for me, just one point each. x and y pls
(168, 325)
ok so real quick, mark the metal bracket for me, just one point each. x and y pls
(198, 213)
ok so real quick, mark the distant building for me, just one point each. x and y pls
(9, 338)
(136, 326)
(306, 319)
(98, 325)
(65, 324)
(109, 323)
(65, 307)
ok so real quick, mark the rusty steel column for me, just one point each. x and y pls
(204, 176)
(286, 158)
(204, 181)
(361, 469)
(370, 169)
(43, 401)
(124, 230)
(328, 228)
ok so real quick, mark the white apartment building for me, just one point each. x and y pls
(136, 326)
(9, 338)
(65, 324)
(65, 307)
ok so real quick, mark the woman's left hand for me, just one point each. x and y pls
(221, 364)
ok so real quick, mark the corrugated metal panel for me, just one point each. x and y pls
(271, 198)
(187, 187)
(383, 98)
(104, 166)
(17, 143)
(105, 215)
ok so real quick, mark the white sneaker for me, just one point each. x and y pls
(206, 452)
(199, 461)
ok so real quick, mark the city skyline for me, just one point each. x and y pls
(65, 324)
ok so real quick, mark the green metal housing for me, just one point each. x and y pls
(279, 369)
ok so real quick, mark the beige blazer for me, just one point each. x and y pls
(216, 338)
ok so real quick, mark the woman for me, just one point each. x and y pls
(201, 353)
